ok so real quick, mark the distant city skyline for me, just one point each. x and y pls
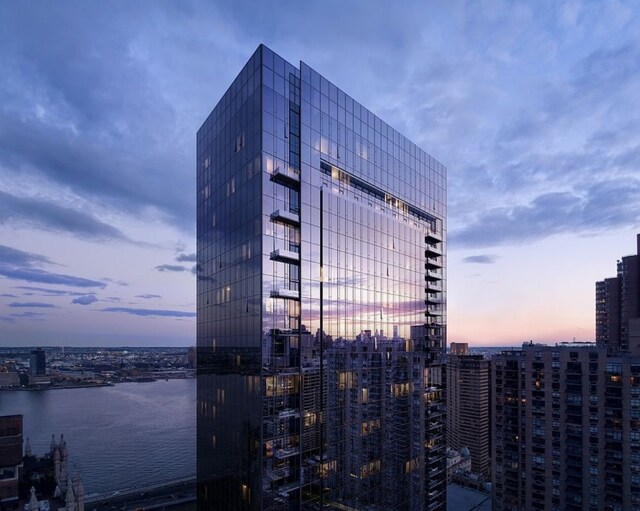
(532, 107)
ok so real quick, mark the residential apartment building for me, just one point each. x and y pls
(567, 429)
(618, 307)
(469, 408)
(321, 302)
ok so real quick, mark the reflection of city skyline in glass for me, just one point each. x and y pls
(321, 301)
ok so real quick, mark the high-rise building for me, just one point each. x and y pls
(321, 302)
(608, 314)
(192, 357)
(618, 307)
(566, 421)
(469, 407)
(38, 362)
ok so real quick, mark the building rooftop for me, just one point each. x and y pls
(460, 498)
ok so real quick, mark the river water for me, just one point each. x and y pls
(126, 436)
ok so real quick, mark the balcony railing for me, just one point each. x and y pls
(285, 256)
(432, 237)
(285, 176)
(291, 294)
(285, 217)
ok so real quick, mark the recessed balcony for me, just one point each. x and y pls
(433, 276)
(433, 287)
(288, 412)
(286, 176)
(432, 251)
(290, 294)
(285, 256)
(432, 264)
(285, 217)
(286, 453)
(433, 237)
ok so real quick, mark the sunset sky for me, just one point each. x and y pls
(534, 107)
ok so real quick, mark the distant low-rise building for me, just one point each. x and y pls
(9, 379)
(457, 461)
(40, 380)
(459, 348)
(461, 498)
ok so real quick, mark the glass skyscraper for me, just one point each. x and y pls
(321, 302)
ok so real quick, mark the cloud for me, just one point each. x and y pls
(171, 267)
(28, 315)
(114, 281)
(13, 256)
(517, 99)
(7, 319)
(186, 258)
(439, 77)
(80, 124)
(576, 135)
(7, 295)
(85, 300)
(43, 214)
(151, 312)
(148, 296)
(19, 265)
(596, 208)
(48, 291)
(480, 259)
(32, 304)
(45, 277)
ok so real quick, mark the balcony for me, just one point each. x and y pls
(434, 341)
(285, 256)
(432, 237)
(285, 217)
(286, 453)
(432, 251)
(276, 474)
(432, 264)
(433, 276)
(437, 504)
(288, 412)
(433, 287)
(290, 294)
(286, 176)
(434, 471)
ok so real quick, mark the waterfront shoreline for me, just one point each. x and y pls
(92, 385)
(56, 387)
(120, 436)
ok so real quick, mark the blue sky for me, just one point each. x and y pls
(532, 106)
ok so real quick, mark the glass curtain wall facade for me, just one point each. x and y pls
(321, 302)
